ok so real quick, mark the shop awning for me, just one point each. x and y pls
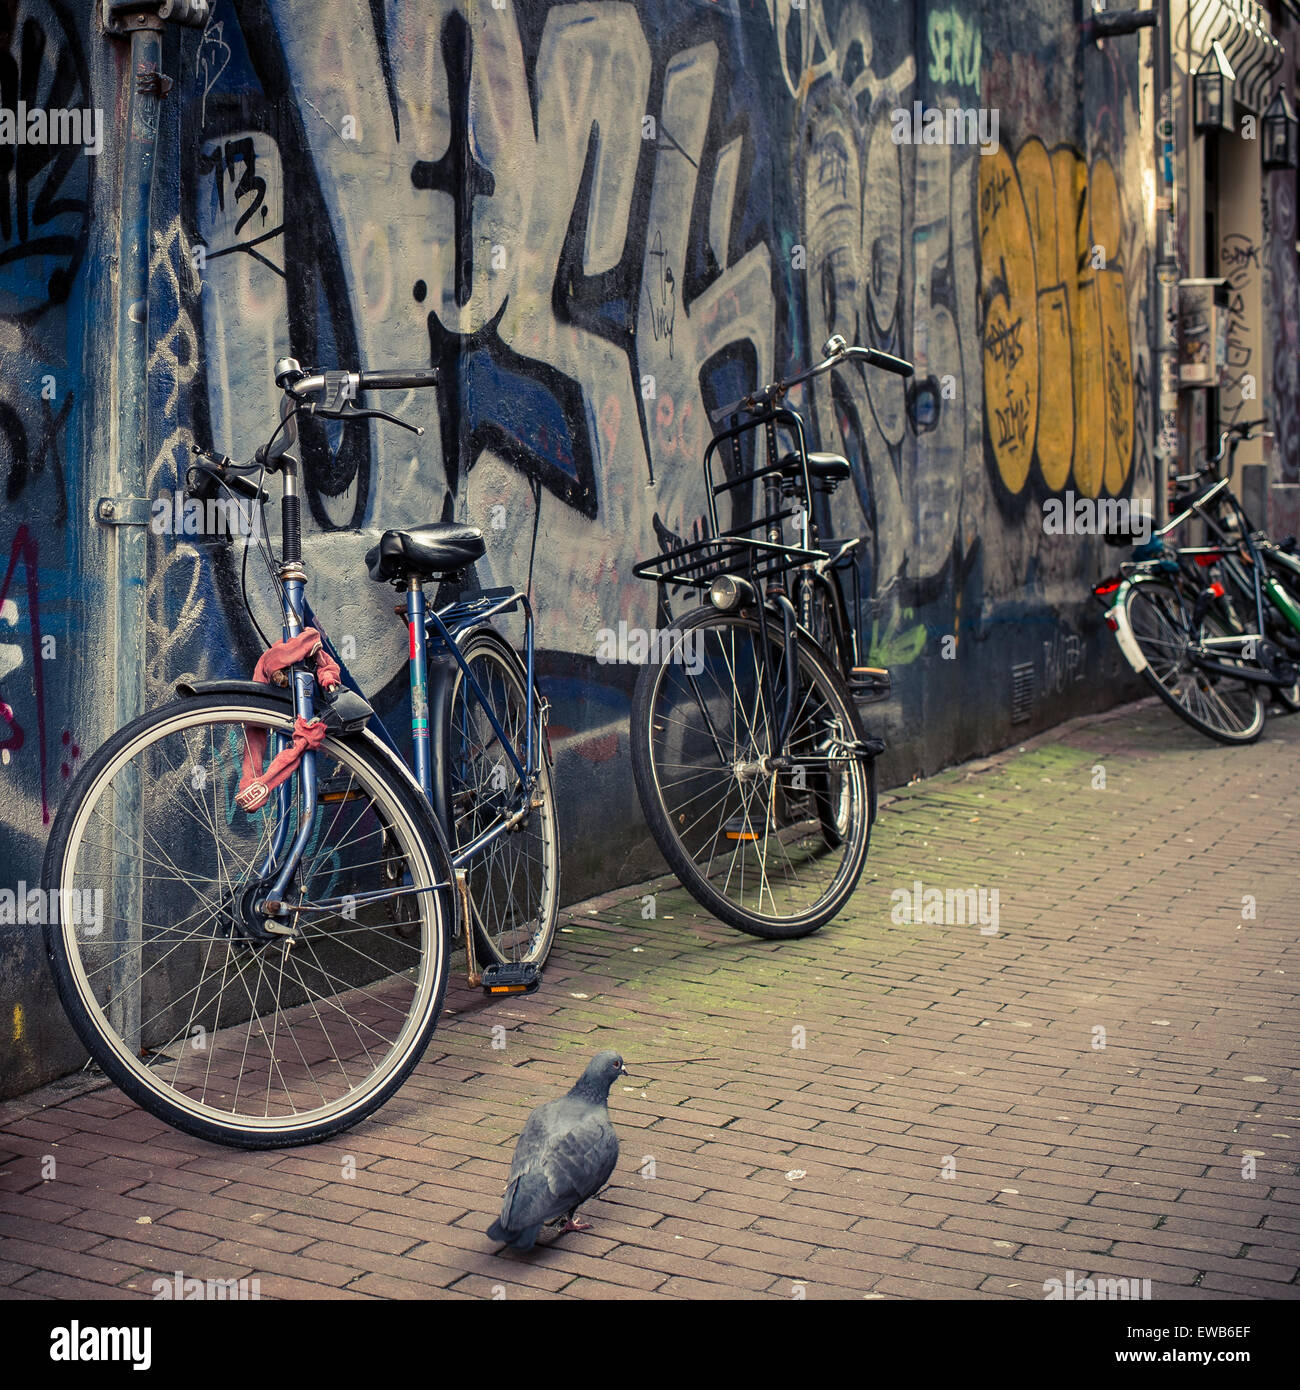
(1244, 30)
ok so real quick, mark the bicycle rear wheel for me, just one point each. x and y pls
(514, 884)
(774, 850)
(1228, 710)
(174, 987)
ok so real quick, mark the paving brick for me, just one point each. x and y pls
(778, 1168)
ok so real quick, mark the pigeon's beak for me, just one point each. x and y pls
(623, 1071)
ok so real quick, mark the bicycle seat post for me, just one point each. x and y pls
(415, 621)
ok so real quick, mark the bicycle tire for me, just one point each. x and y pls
(1162, 633)
(400, 942)
(1288, 697)
(825, 711)
(516, 883)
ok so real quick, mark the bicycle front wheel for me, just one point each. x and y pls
(770, 840)
(514, 882)
(1231, 711)
(162, 960)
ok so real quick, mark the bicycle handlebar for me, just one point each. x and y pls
(836, 350)
(294, 381)
(397, 378)
(884, 360)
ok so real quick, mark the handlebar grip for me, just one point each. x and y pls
(397, 378)
(898, 365)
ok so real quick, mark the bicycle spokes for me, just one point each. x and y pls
(226, 1013)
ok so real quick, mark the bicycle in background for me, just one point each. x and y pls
(1211, 627)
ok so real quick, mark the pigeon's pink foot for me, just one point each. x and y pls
(573, 1224)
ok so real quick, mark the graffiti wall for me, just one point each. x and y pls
(601, 220)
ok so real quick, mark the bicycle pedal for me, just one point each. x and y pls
(868, 684)
(513, 978)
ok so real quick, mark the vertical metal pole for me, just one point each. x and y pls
(1166, 433)
(127, 510)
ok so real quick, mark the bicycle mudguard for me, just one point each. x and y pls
(346, 713)
(187, 689)
(1117, 621)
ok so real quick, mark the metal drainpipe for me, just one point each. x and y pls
(1167, 443)
(142, 23)
(127, 510)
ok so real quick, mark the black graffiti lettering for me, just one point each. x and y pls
(1003, 343)
(44, 188)
(458, 173)
(214, 161)
(1013, 422)
(833, 168)
(24, 464)
(994, 195)
(242, 152)
(663, 304)
(14, 433)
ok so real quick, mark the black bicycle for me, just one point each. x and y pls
(1211, 626)
(280, 888)
(751, 761)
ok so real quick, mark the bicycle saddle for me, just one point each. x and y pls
(827, 468)
(441, 547)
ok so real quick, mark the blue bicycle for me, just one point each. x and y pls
(259, 954)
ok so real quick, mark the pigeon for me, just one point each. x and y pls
(564, 1156)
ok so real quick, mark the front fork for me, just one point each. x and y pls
(304, 687)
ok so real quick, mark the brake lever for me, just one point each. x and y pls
(347, 411)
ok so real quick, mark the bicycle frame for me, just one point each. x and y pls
(440, 630)
(437, 633)
(1245, 644)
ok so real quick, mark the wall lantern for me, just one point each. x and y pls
(1281, 133)
(1213, 102)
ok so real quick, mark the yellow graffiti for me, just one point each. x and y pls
(20, 1024)
(1058, 367)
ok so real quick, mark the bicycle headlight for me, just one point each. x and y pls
(729, 592)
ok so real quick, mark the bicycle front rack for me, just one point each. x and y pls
(698, 563)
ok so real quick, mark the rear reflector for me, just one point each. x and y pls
(1112, 622)
(1107, 586)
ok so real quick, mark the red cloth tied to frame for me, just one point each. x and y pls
(256, 786)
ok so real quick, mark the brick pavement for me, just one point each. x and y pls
(812, 1171)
